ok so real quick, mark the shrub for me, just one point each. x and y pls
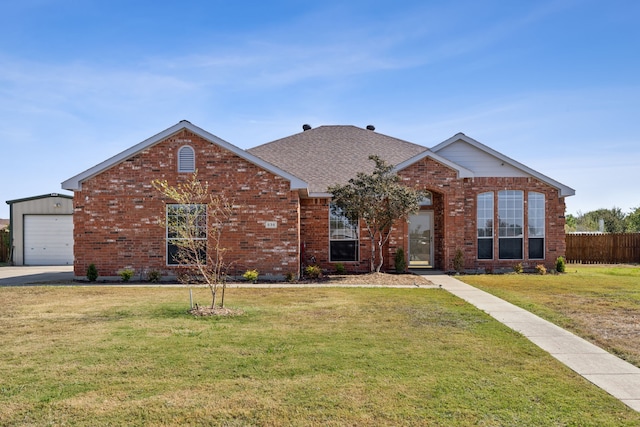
(290, 277)
(400, 261)
(154, 276)
(340, 268)
(92, 273)
(560, 265)
(125, 274)
(458, 261)
(518, 268)
(251, 275)
(188, 276)
(313, 272)
(541, 269)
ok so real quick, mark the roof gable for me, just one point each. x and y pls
(75, 183)
(487, 162)
(462, 171)
(330, 155)
(43, 196)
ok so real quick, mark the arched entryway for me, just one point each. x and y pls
(425, 233)
(421, 239)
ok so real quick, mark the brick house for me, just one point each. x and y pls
(497, 211)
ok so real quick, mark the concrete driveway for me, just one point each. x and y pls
(28, 275)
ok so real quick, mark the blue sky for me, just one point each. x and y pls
(553, 84)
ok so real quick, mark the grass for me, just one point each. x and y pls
(599, 303)
(332, 356)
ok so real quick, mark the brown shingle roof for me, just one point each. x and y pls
(330, 155)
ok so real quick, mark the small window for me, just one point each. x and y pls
(485, 225)
(343, 236)
(186, 159)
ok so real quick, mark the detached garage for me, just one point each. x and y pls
(42, 230)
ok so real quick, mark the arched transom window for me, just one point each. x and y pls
(427, 199)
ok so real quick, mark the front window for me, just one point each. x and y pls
(536, 225)
(343, 236)
(485, 225)
(186, 234)
(510, 224)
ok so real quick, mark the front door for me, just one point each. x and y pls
(421, 239)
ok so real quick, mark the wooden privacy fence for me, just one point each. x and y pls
(609, 248)
(4, 245)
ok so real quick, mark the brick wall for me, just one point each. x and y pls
(454, 221)
(117, 213)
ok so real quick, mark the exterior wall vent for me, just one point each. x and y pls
(186, 159)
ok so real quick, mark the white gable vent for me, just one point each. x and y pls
(186, 159)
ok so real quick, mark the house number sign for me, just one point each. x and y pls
(271, 224)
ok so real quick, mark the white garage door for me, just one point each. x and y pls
(48, 239)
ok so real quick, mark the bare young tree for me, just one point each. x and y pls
(378, 200)
(194, 225)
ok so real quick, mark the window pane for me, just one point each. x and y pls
(172, 253)
(485, 215)
(343, 236)
(510, 213)
(340, 227)
(344, 250)
(510, 248)
(485, 248)
(536, 248)
(536, 215)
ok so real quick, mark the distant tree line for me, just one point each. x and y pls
(605, 220)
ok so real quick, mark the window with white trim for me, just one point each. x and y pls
(485, 225)
(510, 224)
(186, 159)
(343, 236)
(186, 227)
(536, 229)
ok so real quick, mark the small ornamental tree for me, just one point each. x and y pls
(195, 225)
(378, 200)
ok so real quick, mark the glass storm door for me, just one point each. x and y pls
(421, 240)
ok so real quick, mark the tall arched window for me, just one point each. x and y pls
(510, 224)
(485, 225)
(536, 225)
(186, 159)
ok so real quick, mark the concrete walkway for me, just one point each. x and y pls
(612, 374)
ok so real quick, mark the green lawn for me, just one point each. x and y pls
(599, 303)
(131, 356)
